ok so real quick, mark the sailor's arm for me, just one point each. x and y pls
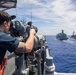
(28, 45)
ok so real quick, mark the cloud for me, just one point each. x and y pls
(48, 15)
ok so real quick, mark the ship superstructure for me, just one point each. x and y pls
(61, 36)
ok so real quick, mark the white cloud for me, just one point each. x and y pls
(56, 14)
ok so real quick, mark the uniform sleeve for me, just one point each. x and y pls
(9, 43)
(13, 45)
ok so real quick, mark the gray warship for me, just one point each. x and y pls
(61, 36)
(73, 36)
(39, 62)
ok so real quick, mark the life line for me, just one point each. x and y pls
(2, 66)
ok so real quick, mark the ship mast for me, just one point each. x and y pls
(31, 12)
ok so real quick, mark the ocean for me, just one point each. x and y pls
(63, 53)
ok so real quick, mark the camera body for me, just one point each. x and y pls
(19, 28)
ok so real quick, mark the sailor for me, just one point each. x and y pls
(10, 43)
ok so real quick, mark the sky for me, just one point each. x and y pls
(49, 16)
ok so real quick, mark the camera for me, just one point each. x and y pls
(20, 28)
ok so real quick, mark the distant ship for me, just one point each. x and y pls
(61, 36)
(73, 36)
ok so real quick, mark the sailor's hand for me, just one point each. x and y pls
(20, 38)
(32, 31)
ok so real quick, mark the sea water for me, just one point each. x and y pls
(63, 53)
